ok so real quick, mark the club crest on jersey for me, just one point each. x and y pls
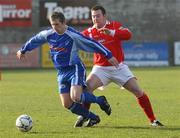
(62, 86)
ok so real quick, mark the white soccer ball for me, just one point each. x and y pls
(24, 123)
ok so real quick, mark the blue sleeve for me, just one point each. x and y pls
(90, 45)
(34, 42)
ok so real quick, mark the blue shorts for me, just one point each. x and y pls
(71, 75)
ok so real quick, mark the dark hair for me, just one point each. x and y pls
(98, 7)
(58, 15)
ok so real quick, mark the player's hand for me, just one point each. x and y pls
(20, 55)
(105, 31)
(114, 62)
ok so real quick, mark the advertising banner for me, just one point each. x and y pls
(45, 56)
(8, 57)
(87, 58)
(15, 13)
(177, 53)
(77, 12)
(146, 54)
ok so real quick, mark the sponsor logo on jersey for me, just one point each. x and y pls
(57, 48)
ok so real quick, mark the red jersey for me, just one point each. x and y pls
(112, 42)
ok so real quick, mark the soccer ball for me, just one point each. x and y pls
(24, 123)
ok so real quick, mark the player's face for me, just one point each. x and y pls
(58, 26)
(98, 18)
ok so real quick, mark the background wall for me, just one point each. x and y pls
(149, 20)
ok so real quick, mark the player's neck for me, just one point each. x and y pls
(60, 32)
(101, 25)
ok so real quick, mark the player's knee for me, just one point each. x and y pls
(138, 93)
(91, 87)
(76, 98)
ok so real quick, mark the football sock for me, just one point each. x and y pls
(146, 106)
(87, 97)
(78, 109)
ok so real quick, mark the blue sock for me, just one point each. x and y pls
(87, 97)
(78, 109)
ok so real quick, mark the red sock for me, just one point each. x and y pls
(86, 105)
(146, 106)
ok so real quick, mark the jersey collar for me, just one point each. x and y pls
(107, 22)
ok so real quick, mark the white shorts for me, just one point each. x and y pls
(111, 74)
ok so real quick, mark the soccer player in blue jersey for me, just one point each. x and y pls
(64, 42)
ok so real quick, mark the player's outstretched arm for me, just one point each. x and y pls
(114, 62)
(20, 55)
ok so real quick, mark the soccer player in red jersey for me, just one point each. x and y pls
(111, 34)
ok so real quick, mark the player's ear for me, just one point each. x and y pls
(64, 22)
(105, 15)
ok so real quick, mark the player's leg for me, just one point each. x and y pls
(78, 109)
(64, 83)
(93, 82)
(75, 107)
(85, 96)
(78, 95)
(124, 77)
(78, 82)
(143, 100)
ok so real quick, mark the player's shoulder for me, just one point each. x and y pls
(115, 23)
(69, 28)
(72, 31)
(46, 31)
(88, 30)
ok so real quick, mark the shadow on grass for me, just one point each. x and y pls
(50, 132)
(165, 128)
(169, 128)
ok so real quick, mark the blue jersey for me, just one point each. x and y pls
(64, 47)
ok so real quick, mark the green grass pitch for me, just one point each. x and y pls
(34, 92)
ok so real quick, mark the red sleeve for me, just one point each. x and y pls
(121, 32)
